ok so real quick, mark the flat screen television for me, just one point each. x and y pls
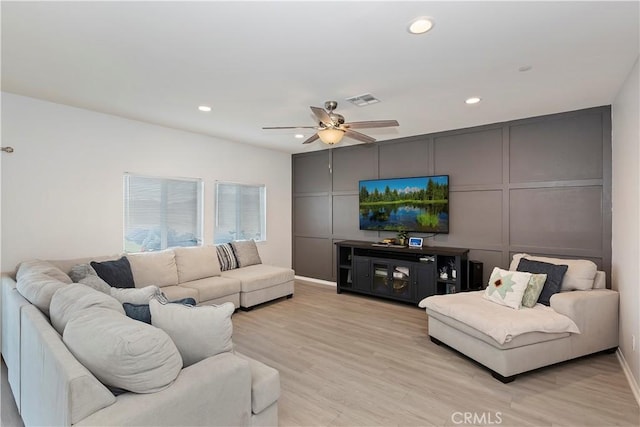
(418, 204)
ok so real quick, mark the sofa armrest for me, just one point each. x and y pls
(215, 392)
(595, 312)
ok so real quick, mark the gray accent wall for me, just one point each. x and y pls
(540, 185)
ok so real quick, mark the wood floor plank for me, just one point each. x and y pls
(349, 360)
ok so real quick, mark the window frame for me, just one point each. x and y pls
(200, 192)
(262, 211)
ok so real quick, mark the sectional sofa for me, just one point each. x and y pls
(51, 386)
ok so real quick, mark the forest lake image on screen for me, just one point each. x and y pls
(418, 204)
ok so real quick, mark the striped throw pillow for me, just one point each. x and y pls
(226, 257)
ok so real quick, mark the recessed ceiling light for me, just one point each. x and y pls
(472, 100)
(299, 136)
(204, 108)
(420, 25)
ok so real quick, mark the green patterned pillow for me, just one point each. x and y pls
(534, 289)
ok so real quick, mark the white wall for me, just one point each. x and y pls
(625, 272)
(62, 187)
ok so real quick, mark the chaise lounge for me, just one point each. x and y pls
(580, 320)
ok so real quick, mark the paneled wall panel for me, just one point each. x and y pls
(312, 216)
(475, 218)
(313, 257)
(404, 158)
(560, 149)
(311, 173)
(559, 218)
(346, 218)
(352, 164)
(470, 158)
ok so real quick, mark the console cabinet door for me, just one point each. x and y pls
(362, 276)
(424, 276)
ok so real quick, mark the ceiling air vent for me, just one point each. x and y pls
(362, 100)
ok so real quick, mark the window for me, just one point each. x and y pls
(240, 212)
(160, 213)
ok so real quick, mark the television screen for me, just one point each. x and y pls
(419, 204)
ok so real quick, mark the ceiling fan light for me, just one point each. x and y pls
(331, 136)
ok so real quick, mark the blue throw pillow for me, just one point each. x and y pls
(142, 313)
(116, 273)
(555, 274)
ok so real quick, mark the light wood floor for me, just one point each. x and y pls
(349, 360)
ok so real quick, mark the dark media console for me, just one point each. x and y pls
(400, 273)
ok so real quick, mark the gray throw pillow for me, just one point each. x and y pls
(198, 332)
(116, 273)
(72, 299)
(121, 352)
(96, 283)
(246, 252)
(80, 271)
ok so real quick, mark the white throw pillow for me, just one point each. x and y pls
(135, 295)
(122, 352)
(198, 332)
(507, 287)
(70, 300)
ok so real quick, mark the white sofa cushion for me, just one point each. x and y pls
(70, 300)
(260, 276)
(499, 322)
(196, 262)
(211, 288)
(579, 276)
(198, 332)
(507, 287)
(154, 268)
(38, 289)
(43, 267)
(122, 352)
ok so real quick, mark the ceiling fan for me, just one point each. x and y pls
(332, 127)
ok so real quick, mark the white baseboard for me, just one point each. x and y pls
(317, 281)
(630, 378)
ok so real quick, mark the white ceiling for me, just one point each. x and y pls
(264, 63)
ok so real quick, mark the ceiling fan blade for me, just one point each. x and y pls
(372, 124)
(359, 136)
(290, 127)
(322, 115)
(311, 138)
